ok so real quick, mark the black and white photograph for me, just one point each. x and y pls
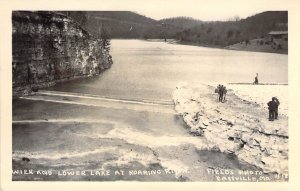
(190, 93)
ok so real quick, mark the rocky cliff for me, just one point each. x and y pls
(50, 47)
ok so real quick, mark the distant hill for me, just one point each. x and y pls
(231, 32)
(122, 24)
(182, 22)
(126, 24)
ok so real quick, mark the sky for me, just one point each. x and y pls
(206, 10)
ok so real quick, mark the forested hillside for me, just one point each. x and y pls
(231, 32)
(126, 24)
(122, 24)
(182, 22)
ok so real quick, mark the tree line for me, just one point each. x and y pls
(224, 33)
(125, 24)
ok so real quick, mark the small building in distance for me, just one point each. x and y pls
(278, 35)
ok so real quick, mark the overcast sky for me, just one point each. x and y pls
(207, 10)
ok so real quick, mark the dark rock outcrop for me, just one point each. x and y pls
(49, 47)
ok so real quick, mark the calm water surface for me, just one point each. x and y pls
(151, 70)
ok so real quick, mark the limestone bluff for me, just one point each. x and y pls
(49, 47)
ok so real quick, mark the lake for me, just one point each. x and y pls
(151, 69)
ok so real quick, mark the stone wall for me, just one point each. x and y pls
(50, 47)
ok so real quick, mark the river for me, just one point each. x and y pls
(124, 118)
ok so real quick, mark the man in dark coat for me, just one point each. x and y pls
(221, 93)
(224, 92)
(256, 79)
(276, 109)
(219, 90)
(272, 108)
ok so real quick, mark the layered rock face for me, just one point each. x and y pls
(236, 127)
(50, 47)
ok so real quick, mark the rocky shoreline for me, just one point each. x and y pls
(237, 127)
(255, 46)
(238, 47)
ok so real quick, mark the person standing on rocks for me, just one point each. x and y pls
(272, 105)
(224, 92)
(217, 90)
(276, 109)
(221, 90)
